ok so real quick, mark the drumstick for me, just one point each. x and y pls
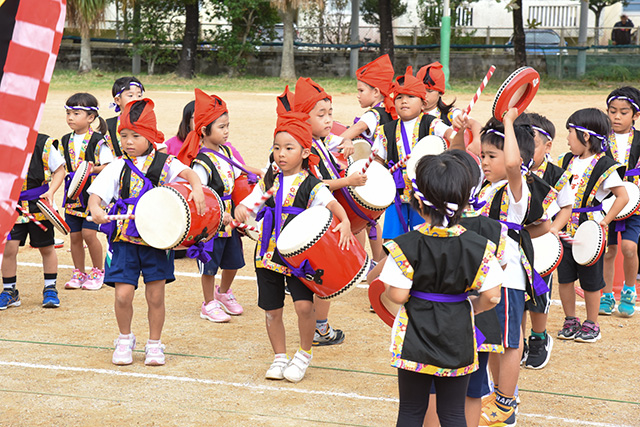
(483, 84)
(31, 218)
(566, 237)
(400, 164)
(243, 226)
(369, 161)
(114, 217)
(266, 196)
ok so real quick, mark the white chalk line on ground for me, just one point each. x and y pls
(253, 278)
(263, 388)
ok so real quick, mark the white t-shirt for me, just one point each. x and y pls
(55, 159)
(577, 168)
(379, 146)
(440, 127)
(514, 270)
(107, 184)
(369, 118)
(226, 167)
(103, 152)
(332, 142)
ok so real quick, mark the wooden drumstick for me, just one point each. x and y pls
(31, 218)
(243, 226)
(369, 161)
(115, 217)
(566, 237)
(400, 164)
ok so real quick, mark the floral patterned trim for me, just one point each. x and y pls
(434, 231)
(398, 256)
(483, 270)
(491, 348)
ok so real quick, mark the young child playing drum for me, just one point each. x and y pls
(594, 176)
(124, 90)
(434, 290)
(125, 180)
(44, 177)
(292, 153)
(623, 108)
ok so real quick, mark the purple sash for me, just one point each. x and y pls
(251, 177)
(33, 193)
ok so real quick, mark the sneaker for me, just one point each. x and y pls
(297, 367)
(331, 337)
(626, 308)
(607, 304)
(214, 312)
(94, 280)
(123, 354)
(539, 352)
(590, 332)
(9, 298)
(58, 243)
(286, 290)
(525, 352)
(154, 354)
(276, 370)
(492, 415)
(228, 301)
(50, 297)
(77, 280)
(570, 328)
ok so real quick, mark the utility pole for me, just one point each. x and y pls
(445, 41)
(581, 65)
(355, 37)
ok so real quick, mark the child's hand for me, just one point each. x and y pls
(346, 147)
(241, 213)
(511, 115)
(460, 122)
(604, 223)
(198, 197)
(226, 219)
(357, 179)
(345, 234)
(99, 216)
(48, 196)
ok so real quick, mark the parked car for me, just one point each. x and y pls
(540, 42)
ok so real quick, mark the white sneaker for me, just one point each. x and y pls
(123, 354)
(154, 354)
(276, 370)
(296, 369)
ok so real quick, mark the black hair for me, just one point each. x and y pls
(442, 179)
(540, 121)
(445, 108)
(123, 83)
(524, 137)
(83, 99)
(594, 120)
(207, 128)
(627, 92)
(270, 175)
(468, 161)
(185, 124)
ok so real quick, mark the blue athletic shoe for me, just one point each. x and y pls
(9, 298)
(626, 307)
(607, 304)
(50, 297)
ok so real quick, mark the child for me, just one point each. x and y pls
(213, 162)
(594, 176)
(84, 144)
(292, 153)
(124, 90)
(623, 108)
(393, 144)
(123, 179)
(47, 165)
(433, 339)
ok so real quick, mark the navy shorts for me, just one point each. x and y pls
(38, 238)
(510, 310)
(479, 382)
(631, 230)
(227, 254)
(393, 226)
(128, 261)
(77, 223)
(542, 301)
(591, 278)
(271, 289)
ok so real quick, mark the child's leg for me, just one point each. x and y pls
(431, 416)
(124, 306)
(567, 294)
(630, 254)
(95, 248)
(154, 292)
(413, 390)
(451, 395)
(376, 245)
(609, 267)
(324, 333)
(49, 259)
(362, 237)
(275, 330)
(306, 323)
(226, 280)
(77, 250)
(10, 258)
(208, 284)
(592, 303)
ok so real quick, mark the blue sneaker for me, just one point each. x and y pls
(50, 297)
(607, 304)
(9, 298)
(626, 308)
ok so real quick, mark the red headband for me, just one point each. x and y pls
(139, 116)
(432, 76)
(409, 85)
(285, 102)
(296, 125)
(379, 73)
(308, 93)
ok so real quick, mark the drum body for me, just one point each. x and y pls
(632, 205)
(518, 90)
(548, 251)
(166, 220)
(362, 150)
(372, 198)
(53, 216)
(241, 189)
(309, 236)
(383, 306)
(589, 243)
(429, 145)
(79, 180)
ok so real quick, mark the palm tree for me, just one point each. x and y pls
(86, 15)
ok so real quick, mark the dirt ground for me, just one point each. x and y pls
(57, 362)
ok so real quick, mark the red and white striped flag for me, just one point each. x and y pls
(30, 35)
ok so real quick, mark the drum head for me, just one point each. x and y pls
(588, 243)
(384, 308)
(253, 235)
(518, 90)
(547, 250)
(304, 230)
(79, 180)
(632, 205)
(362, 150)
(379, 191)
(163, 218)
(429, 145)
(52, 215)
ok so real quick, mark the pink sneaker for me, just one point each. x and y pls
(228, 301)
(77, 280)
(214, 312)
(123, 353)
(94, 280)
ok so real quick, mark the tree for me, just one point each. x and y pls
(331, 18)
(385, 14)
(187, 64)
(369, 10)
(519, 48)
(597, 6)
(430, 13)
(86, 15)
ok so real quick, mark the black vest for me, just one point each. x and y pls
(89, 156)
(390, 134)
(153, 174)
(215, 181)
(36, 175)
(385, 117)
(114, 136)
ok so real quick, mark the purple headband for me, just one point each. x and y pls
(624, 98)
(450, 208)
(604, 139)
(542, 131)
(500, 134)
(122, 89)
(525, 169)
(80, 107)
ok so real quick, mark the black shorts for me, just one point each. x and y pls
(591, 278)
(543, 301)
(271, 289)
(38, 238)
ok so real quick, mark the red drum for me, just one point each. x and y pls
(52, 215)
(241, 189)
(518, 90)
(309, 236)
(362, 149)
(632, 205)
(165, 220)
(338, 128)
(548, 251)
(372, 198)
(429, 145)
(589, 243)
(383, 306)
(79, 180)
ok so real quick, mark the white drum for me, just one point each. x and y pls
(547, 251)
(632, 205)
(589, 243)
(362, 150)
(429, 145)
(80, 179)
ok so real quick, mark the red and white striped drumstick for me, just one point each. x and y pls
(31, 218)
(483, 84)
(566, 237)
(369, 161)
(266, 196)
(400, 164)
(243, 226)
(276, 169)
(115, 217)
